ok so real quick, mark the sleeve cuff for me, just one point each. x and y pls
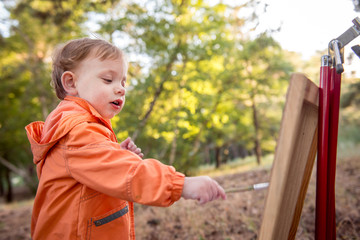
(178, 184)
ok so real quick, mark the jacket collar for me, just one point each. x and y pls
(87, 106)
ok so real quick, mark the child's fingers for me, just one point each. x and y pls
(135, 148)
(217, 191)
(128, 140)
(129, 144)
(213, 192)
(132, 147)
(221, 191)
(203, 188)
(138, 152)
(125, 143)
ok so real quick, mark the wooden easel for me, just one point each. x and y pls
(294, 159)
(309, 110)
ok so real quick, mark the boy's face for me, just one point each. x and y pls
(102, 84)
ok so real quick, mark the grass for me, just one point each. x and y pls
(235, 166)
(239, 217)
(17, 204)
(347, 150)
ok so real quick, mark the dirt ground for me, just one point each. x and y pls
(238, 217)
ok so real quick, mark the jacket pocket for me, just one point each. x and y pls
(112, 225)
(111, 217)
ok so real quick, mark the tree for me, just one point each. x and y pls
(186, 99)
(201, 87)
(265, 76)
(35, 27)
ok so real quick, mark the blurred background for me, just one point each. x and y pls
(206, 83)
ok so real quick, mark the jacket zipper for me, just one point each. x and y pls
(111, 217)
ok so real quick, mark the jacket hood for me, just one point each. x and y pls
(69, 113)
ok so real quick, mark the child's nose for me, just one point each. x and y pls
(120, 90)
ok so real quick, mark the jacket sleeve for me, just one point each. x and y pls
(94, 160)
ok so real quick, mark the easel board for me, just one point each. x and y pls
(293, 163)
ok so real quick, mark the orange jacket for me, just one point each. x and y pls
(87, 183)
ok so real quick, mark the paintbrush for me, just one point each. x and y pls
(257, 186)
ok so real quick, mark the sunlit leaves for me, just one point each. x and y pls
(207, 73)
(35, 27)
(193, 65)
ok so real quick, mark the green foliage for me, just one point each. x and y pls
(195, 77)
(197, 89)
(349, 113)
(35, 27)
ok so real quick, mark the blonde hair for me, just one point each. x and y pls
(69, 55)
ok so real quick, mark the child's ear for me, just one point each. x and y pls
(68, 82)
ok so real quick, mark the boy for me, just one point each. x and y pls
(87, 181)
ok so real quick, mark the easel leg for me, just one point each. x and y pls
(329, 103)
(332, 154)
(322, 160)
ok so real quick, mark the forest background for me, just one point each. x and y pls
(205, 86)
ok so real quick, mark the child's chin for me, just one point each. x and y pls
(113, 115)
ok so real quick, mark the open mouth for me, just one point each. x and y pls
(117, 103)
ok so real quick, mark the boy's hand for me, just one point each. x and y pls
(129, 144)
(203, 188)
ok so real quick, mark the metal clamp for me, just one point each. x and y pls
(337, 45)
(338, 55)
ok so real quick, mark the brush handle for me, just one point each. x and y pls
(242, 189)
(257, 186)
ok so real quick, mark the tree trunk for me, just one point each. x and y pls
(226, 155)
(2, 189)
(9, 194)
(163, 151)
(243, 152)
(217, 157)
(157, 92)
(21, 172)
(207, 158)
(173, 146)
(197, 143)
(257, 147)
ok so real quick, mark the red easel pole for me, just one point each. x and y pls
(322, 159)
(328, 125)
(335, 87)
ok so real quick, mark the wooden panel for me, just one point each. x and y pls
(294, 159)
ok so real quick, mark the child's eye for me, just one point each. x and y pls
(107, 80)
